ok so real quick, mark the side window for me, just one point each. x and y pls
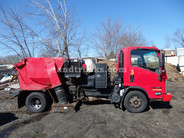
(145, 59)
(136, 60)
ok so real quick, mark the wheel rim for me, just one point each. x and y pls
(135, 102)
(36, 103)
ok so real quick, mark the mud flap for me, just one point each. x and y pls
(122, 98)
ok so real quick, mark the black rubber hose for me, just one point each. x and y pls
(61, 95)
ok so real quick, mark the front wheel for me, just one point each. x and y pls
(135, 102)
(36, 102)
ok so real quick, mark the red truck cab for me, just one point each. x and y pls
(144, 70)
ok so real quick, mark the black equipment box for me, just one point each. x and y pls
(101, 72)
(89, 81)
(72, 68)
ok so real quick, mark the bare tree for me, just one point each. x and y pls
(111, 36)
(168, 41)
(14, 34)
(47, 52)
(179, 37)
(50, 45)
(107, 38)
(132, 37)
(51, 49)
(2, 61)
(80, 49)
(10, 59)
(60, 21)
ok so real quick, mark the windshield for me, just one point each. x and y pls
(145, 59)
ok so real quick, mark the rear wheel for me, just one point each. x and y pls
(135, 102)
(36, 102)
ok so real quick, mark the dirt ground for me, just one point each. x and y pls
(172, 73)
(97, 119)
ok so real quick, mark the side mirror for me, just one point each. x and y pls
(162, 60)
(162, 63)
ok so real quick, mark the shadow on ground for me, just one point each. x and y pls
(89, 103)
(7, 118)
(160, 105)
(96, 102)
(153, 105)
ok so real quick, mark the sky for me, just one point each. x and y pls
(156, 18)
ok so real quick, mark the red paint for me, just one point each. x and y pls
(143, 78)
(39, 73)
(84, 66)
(167, 97)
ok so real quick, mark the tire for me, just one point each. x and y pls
(36, 102)
(135, 102)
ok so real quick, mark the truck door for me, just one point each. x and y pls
(145, 72)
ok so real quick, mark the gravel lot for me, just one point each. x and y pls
(96, 120)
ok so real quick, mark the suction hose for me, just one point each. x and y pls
(61, 95)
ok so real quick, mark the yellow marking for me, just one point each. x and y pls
(158, 99)
(132, 72)
(156, 89)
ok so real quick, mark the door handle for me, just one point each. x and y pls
(131, 78)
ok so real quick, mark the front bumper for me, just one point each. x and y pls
(167, 97)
